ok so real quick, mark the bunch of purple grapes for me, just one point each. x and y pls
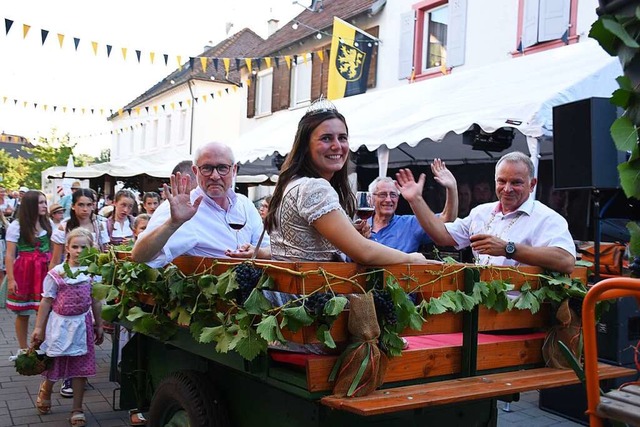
(315, 303)
(385, 309)
(247, 277)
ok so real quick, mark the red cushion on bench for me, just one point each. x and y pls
(416, 342)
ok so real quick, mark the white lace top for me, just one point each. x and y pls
(294, 238)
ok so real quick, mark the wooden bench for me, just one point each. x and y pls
(621, 405)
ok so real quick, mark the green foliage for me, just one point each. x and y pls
(619, 35)
(12, 170)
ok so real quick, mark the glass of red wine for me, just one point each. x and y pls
(364, 205)
(237, 219)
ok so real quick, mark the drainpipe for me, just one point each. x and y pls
(193, 104)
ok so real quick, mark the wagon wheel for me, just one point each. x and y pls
(187, 398)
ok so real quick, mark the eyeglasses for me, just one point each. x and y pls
(207, 170)
(385, 195)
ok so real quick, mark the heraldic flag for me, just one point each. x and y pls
(351, 51)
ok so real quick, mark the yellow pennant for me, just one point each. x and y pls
(248, 82)
(268, 61)
(94, 45)
(137, 111)
(24, 104)
(124, 53)
(189, 102)
(120, 112)
(25, 30)
(287, 58)
(83, 109)
(102, 111)
(4, 99)
(173, 105)
(152, 56)
(235, 88)
(60, 39)
(248, 62)
(226, 62)
(64, 109)
(155, 109)
(204, 98)
(321, 55)
(44, 107)
(304, 58)
(179, 58)
(219, 93)
(203, 63)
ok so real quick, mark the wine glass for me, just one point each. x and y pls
(236, 218)
(477, 226)
(364, 205)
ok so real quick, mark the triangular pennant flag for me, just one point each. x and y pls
(226, 62)
(25, 30)
(91, 111)
(4, 99)
(304, 58)
(235, 88)
(226, 89)
(152, 56)
(44, 107)
(188, 103)
(147, 108)
(238, 64)
(166, 59)
(320, 55)
(204, 98)
(287, 58)
(94, 46)
(138, 53)
(295, 60)
(180, 104)
(73, 110)
(565, 37)
(109, 50)
(310, 57)
(137, 111)
(82, 109)
(179, 59)
(173, 105)
(55, 107)
(519, 48)
(15, 102)
(248, 62)
(24, 104)
(64, 109)
(7, 25)
(60, 39)
(277, 62)
(155, 109)
(128, 110)
(203, 63)
(76, 42)
(163, 107)
(215, 63)
(102, 111)
(219, 93)
(35, 105)
(192, 61)
(120, 112)
(267, 61)
(124, 53)
(43, 35)
(248, 82)
(212, 97)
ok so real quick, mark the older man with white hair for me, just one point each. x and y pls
(200, 221)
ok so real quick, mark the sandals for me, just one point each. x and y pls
(43, 401)
(136, 418)
(77, 418)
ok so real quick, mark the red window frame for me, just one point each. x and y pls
(418, 40)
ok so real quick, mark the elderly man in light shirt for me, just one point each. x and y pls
(197, 222)
(515, 230)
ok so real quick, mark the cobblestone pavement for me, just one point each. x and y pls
(18, 394)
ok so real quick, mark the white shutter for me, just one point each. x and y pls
(530, 23)
(554, 19)
(264, 88)
(456, 32)
(405, 59)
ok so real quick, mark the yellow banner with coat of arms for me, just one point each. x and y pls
(351, 51)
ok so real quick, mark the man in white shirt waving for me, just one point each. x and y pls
(514, 230)
(199, 222)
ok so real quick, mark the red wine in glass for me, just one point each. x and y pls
(237, 218)
(364, 213)
(236, 226)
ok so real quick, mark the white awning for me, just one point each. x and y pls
(519, 93)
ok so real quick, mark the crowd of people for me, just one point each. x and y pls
(309, 217)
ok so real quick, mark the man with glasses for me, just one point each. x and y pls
(403, 232)
(198, 222)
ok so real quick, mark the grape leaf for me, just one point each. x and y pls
(136, 313)
(466, 302)
(99, 292)
(208, 335)
(269, 330)
(207, 283)
(294, 318)
(392, 342)
(266, 282)
(250, 345)
(324, 335)
(257, 303)
(448, 300)
(335, 305)
(480, 291)
(223, 282)
(110, 312)
(435, 306)
(527, 301)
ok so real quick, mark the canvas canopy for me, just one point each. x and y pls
(422, 121)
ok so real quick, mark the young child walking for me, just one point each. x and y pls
(65, 329)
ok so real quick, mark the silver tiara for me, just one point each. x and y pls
(320, 105)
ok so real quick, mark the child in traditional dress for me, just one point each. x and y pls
(70, 331)
(27, 259)
(140, 224)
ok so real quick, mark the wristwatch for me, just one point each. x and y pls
(510, 250)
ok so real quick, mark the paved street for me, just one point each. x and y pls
(18, 395)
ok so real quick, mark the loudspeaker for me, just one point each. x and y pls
(584, 155)
(618, 332)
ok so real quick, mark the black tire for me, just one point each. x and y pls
(190, 395)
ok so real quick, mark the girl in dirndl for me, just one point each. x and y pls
(27, 259)
(65, 327)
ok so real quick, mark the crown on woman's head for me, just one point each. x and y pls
(320, 105)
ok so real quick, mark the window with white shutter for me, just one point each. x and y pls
(546, 23)
(264, 89)
(301, 81)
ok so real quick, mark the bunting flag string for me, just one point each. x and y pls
(249, 62)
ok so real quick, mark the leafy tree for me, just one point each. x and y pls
(46, 154)
(13, 171)
(105, 156)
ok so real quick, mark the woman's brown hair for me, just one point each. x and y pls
(28, 217)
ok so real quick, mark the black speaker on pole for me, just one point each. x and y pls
(584, 155)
